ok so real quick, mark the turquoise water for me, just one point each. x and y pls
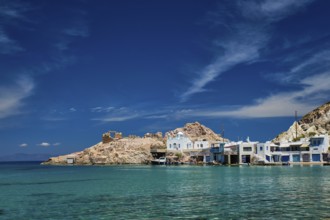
(31, 191)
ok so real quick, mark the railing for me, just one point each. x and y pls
(215, 150)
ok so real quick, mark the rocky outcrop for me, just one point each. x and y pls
(196, 131)
(314, 123)
(130, 150)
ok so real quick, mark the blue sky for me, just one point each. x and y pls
(72, 70)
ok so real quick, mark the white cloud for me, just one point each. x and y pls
(56, 144)
(100, 109)
(248, 33)
(23, 145)
(12, 97)
(44, 144)
(115, 118)
(156, 116)
(314, 91)
(73, 109)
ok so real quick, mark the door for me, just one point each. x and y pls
(296, 158)
(316, 157)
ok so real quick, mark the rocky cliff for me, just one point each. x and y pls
(196, 131)
(129, 150)
(314, 123)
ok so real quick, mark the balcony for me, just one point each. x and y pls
(215, 150)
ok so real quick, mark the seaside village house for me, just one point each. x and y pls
(247, 151)
(213, 151)
(313, 150)
(199, 149)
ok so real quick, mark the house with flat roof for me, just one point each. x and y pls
(314, 149)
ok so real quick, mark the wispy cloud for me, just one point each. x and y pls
(314, 63)
(53, 118)
(10, 12)
(12, 97)
(80, 30)
(8, 45)
(115, 114)
(314, 90)
(77, 28)
(100, 109)
(248, 31)
(56, 144)
(23, 145)
(112, 118)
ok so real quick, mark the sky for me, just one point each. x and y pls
(72, 70)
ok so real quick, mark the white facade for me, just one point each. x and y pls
(179, 142)
(201, 144)
(247, 151)
(313, 150)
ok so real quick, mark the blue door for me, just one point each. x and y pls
(268, 158)
(285, 158)
(276, 158)
(296, 158)
(316, 157)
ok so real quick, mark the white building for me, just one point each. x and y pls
(199, 148)
(313, 150)
(247, 151)
(201, 144)
(179, 142)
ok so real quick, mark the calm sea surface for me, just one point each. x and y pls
(31, 191)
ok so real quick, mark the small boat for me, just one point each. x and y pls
(161, 160)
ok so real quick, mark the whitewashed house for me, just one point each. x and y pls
(247, 151)
(318, 147)
(201, 144)
(199, 149)
(179, 143)
(313, 150)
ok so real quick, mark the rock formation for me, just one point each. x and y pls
(196, 131)
(129, 150)
(314, 123)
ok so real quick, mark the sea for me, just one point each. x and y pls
(29, 190)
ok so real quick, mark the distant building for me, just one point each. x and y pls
(199, 149)
(313, 150)
(179, 142)
(247, 151)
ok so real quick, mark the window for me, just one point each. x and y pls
(179, 145)
(260, 148)
(267, 148)
(201, 145)
(247, 148)
(170, 145)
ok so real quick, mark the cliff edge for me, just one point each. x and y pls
(313, 123)
(196, 131)
(129, 150)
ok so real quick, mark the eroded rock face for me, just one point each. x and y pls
(196, 131)
(124, 151)
(314, 123)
